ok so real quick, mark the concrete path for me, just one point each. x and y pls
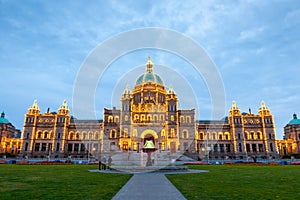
(148, 186)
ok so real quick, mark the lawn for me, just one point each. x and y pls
(58, 182)
(240, 182)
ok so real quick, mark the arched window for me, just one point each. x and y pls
(181, 119)
(113, 133)
(162, 118)
(258, 135)
(45, 134)
(188, 119)
(220, 137)
(252, 135)
(39, 135)
(201, 136)
(116, 119)
(185, 134)
(110, 119)
(71, 136)
(27, 136)
(246, 136)
(214, 136)
(96, 135)
(155, 118)
(149, 118)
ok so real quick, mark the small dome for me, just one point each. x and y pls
(295, 120)
(3, 120)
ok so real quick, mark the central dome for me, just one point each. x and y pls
(149, 76)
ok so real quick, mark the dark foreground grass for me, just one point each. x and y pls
(58, 182)
(240, 182)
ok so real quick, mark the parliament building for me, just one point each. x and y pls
(149, 112)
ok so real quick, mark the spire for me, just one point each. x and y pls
(234, 110)
(264, 110)
(34, 109)
(64, 109)
(149, 65)
(171, 90)
(2, 114)
(127, 90)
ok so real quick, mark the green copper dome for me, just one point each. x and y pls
(149, 76)
(3, 120)
(295, 120)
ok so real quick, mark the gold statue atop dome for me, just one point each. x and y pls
(149, 65)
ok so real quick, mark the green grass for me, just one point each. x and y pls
(240, 182)
(58, 182)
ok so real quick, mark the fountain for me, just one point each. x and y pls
(149, 148)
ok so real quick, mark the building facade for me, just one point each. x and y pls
(149, 112)
(290, 145)
(10, 137)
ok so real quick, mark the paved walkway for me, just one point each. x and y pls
(148, 186)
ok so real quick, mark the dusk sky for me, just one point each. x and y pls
(253, 44)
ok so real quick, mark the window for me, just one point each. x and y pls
(113, 133)
(134, 146)
(226, 137)
(126, 117)
(172, 117)
(260, 148)
(240, 147)
(27, 136)
(39, 135)
(246, 136)
(162, 118)
(181, 119)
(228, 149)
(221, 148)
(239, 136)
(76, 147)
(70, 147)
(252, 136)
(258, 136)
(185, 134)
(37, 147)
(71, 136)
(254, 148)
(248, 147)
(26, 146)
(220, 137)
(155, 118)
(188, 119)
(116, 119)
(82, 147)
(44, 146)
(201, 136)
(270, 136)
(110, 119)
(57, 146)
(215, 147)
(271, 147)
(214, 136)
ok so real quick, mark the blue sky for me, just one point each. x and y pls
(254, 45)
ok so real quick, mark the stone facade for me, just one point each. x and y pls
(149, 112)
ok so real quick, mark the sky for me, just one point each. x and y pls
(253, 44)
